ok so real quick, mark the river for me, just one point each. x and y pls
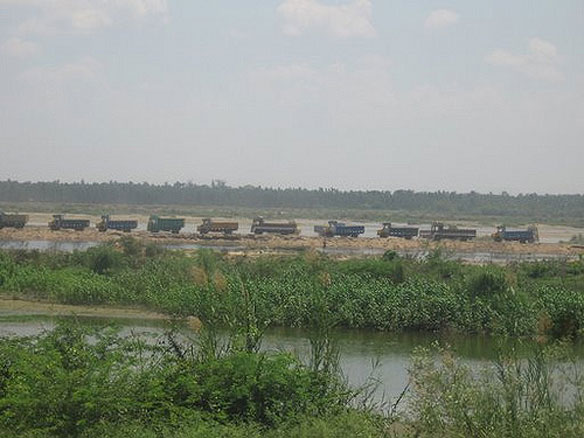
(363, 353)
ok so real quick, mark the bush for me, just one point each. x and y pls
(515, 398)
(72, 381)
(488, 283)
(104, 259)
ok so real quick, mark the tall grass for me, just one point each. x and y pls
(537, 396)
(75, 382)
(391, 293)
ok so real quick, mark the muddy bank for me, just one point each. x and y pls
(479, 251)
(12, 306)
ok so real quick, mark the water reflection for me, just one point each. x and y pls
(364, 353)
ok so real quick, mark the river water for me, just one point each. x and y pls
(364, 354)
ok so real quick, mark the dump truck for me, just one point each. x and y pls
(60, 223)
(211, 226)
(107, 223)
(440, 231)
(530, 235)
(12, 220)
(403, 232)
(260, 226)
(172, 224)
(335, 228)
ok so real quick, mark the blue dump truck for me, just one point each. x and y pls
(157, 223)
(60, 223)
(530, 235)
(107, 223)
(403, 232)
(335, 228)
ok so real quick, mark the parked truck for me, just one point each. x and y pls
(107, 223)
(335, 228)
(12, 220)
(211, 226)
(172, 224)
(260, 226)
(60, 223)
(403, 232)
(439, 231)
(530, 235)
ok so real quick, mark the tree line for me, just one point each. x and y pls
(218, 193)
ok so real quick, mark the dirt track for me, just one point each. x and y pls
(255, 243)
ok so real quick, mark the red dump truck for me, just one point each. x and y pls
(439, 231)
(211, 226)
(260, 226)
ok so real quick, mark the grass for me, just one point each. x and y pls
(540, 396)
(86, 382)
(78, 381)
(388, 293)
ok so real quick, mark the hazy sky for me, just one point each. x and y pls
(381, 94)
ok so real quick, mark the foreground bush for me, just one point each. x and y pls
(71, 383)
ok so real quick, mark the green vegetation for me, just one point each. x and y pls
(387, 293)
(87, 382)
(220, 199)
(537, 396)
(76, 382)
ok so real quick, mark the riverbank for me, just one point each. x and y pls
(224, 382)
(386, 293)
(340, 246)
(73, 380)
(18, 306)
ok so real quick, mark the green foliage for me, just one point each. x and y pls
(255, 293)
(515, 398)
(222, 200)
(378, 268)
(72, 382)
(489, 282)
(104, 259)
(390, 255)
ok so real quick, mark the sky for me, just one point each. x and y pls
(353, 94)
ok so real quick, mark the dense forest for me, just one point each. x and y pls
(537, 207)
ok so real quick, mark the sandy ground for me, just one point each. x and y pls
(550, 236)
(298, 242)
(30, 307)
(20, 307)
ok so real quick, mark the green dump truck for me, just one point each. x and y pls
(59, 222)
(12, 220)
(172, 224)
